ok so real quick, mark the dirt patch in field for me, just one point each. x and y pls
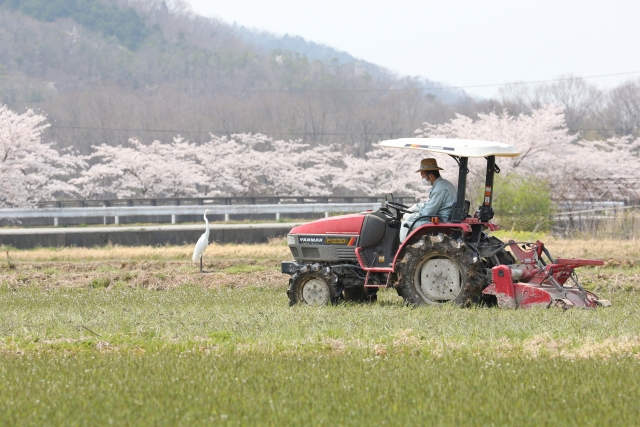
(587, 348)
(143, 274)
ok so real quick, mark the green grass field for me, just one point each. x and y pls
(136, 336)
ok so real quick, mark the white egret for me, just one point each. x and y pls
(203, 242)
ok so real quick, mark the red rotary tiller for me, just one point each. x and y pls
(534, 282)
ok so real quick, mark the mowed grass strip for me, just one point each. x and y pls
(258, 319)
(353, 389)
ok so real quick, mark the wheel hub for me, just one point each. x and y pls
(440, 279)
(315, 292)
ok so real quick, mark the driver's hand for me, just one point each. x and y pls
(409, 217)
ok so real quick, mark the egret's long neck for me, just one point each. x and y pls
(207, 221)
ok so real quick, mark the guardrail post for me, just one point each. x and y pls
(226, 217)
(117, 220)
(104, 220)
(278, 216)
(326, 214)
(55, 221)
(173, 219)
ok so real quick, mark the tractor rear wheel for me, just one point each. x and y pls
(313, 288)
(438, 270)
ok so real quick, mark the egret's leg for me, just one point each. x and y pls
(200, 263)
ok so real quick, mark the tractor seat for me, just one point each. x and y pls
(466, 206)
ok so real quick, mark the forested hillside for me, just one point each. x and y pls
(106, 71)
(125, 25)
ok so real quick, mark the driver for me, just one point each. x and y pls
(442, 198)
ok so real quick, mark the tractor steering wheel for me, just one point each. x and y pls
(398, 206)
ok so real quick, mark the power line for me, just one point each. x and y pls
(547, 81)
(391, 134)
(603, 130)
(430, 88)
(413, 89)
(226, 132)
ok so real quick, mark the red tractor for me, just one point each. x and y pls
(351, 256)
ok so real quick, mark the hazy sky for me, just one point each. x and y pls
(460, 43)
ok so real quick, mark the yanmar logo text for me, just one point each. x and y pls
(313, 240)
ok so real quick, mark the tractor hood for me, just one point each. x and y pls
(344, 224)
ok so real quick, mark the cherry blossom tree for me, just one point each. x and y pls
(545, 143)
(256, 164)
(221, 158)
(535, 135)
(153, 170)
(97, 180)
(253, 164)
(30, 170)
(296, 169)
(181, 173)
(548, 150)
(245, 164)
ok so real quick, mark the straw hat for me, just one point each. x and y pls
(429, 165)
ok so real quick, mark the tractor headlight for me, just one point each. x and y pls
(291, 240)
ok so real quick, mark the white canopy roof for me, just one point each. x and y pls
(455, 147)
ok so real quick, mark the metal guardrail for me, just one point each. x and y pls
(615, 209)
(226, 210)
(208, 201)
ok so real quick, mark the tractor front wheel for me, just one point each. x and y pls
(438, 270)
(312, 288)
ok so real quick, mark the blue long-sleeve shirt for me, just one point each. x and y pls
(442, 200)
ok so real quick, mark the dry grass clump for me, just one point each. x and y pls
(545, 345)
(624, 253)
